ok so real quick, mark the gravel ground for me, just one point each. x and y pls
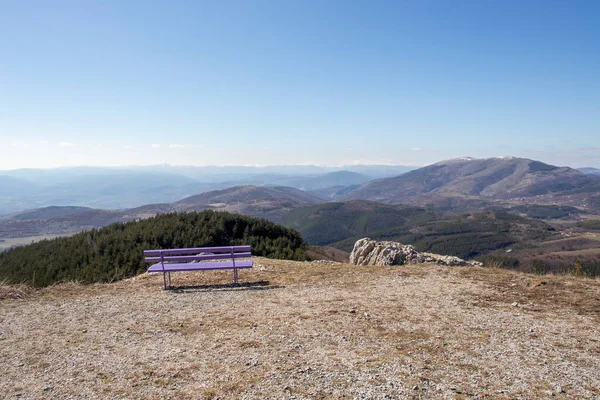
(306, 331)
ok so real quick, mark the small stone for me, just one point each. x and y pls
(515, 304)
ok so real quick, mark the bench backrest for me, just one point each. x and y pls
(197, 254)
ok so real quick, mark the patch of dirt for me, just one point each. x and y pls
(307, 330)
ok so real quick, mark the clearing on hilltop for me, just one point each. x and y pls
(308, 330)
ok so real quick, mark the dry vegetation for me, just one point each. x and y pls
(561, 254)
(307, 330)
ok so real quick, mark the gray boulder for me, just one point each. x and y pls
(371, 252)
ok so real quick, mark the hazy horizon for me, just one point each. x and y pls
(266, 166)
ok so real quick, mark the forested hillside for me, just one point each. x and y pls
(466, 236)
(324, 224)
(116, 251)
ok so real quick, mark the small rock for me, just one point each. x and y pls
(515, 304)
(415, 387)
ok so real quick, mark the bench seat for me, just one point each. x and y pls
(166, 261)
(179, 267)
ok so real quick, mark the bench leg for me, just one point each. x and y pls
(170, 279)
(235, 276)
(165, 280)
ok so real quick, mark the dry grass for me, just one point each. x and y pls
(13, 291)
(308, 330)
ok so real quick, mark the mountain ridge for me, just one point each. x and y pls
(500, 178)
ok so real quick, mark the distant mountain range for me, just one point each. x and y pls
(265, 202)
(119, 188)
(460, 184)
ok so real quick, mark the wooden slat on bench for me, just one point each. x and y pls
(226, 249)
(200, 266)
(199, 257)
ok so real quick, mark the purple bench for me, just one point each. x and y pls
(198, 259)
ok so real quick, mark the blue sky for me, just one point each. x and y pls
(297, 82)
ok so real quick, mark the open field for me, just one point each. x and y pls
(7, 243)
(306, 330)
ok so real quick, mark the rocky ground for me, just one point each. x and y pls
(306, 331)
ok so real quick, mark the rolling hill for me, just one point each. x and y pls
(248, 194)
(468, 180)
(324, 224)
(271, 203)
(50, 212)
